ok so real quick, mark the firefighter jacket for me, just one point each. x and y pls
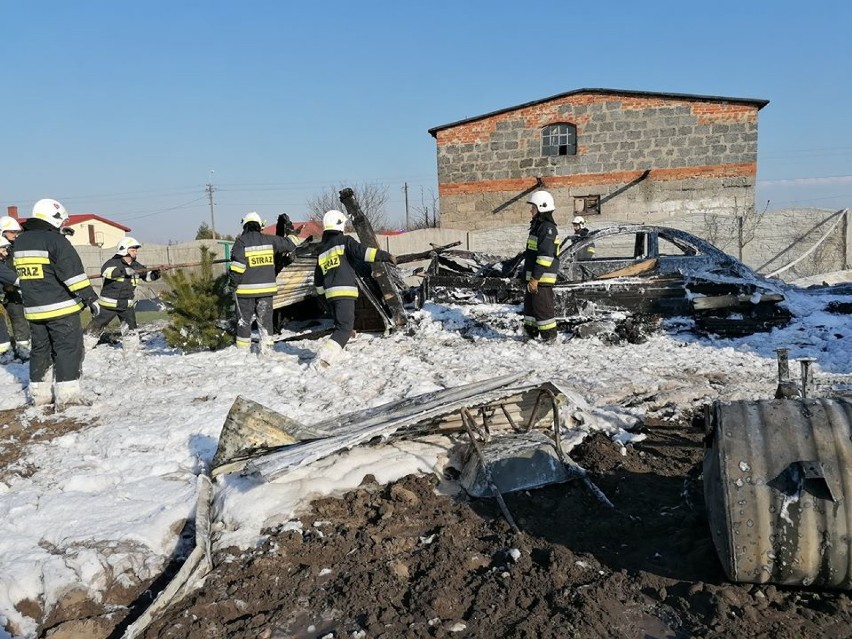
(252, 269)
(120, 281)
(53, 282)
(334, 276)
(588, 251)
(540, 259)
(8, 277)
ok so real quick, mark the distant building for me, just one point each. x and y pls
(624, 155)
(94, 230)
(89, 229)
(309, 228)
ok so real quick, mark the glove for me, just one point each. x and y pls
(284, 226)
(95, 308)
(129, 272)
(532, 286)
(153, 276)
(392, 260)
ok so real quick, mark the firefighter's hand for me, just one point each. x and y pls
(532, 286)
(153, 276)
(129, 271)
(392, 260)
(95, 308)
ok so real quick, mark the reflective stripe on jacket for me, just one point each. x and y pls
(52, 280)
(252, 269)
(334, 276)
(540, 261)
(120, 280)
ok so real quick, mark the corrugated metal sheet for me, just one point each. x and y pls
(777, 482)
(295, 282)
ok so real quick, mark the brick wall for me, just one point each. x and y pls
(639, 154)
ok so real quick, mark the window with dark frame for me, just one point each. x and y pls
(559, 139)
(587, 205)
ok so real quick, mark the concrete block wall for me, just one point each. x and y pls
(152, 255)
(779, 238)
(639, 154)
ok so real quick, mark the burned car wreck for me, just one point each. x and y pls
(643, 271)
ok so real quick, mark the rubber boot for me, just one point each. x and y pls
(265, 343)
(328, 353)
(41, 393)
(69, 394)
(22, 349)
(130, 341)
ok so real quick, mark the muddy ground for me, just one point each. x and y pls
(400, 561)
(403, 561)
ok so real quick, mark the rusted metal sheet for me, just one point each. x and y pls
(778, 483)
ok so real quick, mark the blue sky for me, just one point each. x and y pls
(124, 108)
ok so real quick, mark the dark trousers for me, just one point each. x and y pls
(540, 314)
(343, 312)
(99, 323)
(259, 308)
(15, 309)
(58, 343)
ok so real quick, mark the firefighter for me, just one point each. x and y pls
(54, 288)
(541, 265)
(284, 228)
(580, 231)
(121, 274)
(8, 281)
(335, 281)
(12, 302)
(252, 274)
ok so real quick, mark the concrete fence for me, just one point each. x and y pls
(816, 240)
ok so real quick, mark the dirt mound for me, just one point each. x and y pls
(403, 561)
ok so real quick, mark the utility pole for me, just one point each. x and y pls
(405, 190)
(210, 189)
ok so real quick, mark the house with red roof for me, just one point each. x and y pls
(89, 229)
(309, 228)
(94, 230)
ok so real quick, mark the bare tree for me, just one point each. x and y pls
(739, 230)
(426, 214)
(372, 197)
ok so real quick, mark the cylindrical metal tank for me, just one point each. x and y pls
(777, 483)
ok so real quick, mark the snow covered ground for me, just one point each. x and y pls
(105, 503)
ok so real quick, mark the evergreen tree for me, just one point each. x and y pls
(199, 308)
(204, 232)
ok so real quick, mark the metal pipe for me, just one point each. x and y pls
(783, 364)
(806, 362)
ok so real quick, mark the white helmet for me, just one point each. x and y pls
(4, 243)
(8, 223)
(543, 201)
(579, 220)
(333, 221)
(125, 244)
(251, 217)
(50, 211)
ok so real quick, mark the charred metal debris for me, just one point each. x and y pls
(641, 275)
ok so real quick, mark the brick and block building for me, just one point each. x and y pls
(623, 155)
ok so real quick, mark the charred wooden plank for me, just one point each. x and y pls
(385, 275)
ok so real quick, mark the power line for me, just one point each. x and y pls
(166, 210)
